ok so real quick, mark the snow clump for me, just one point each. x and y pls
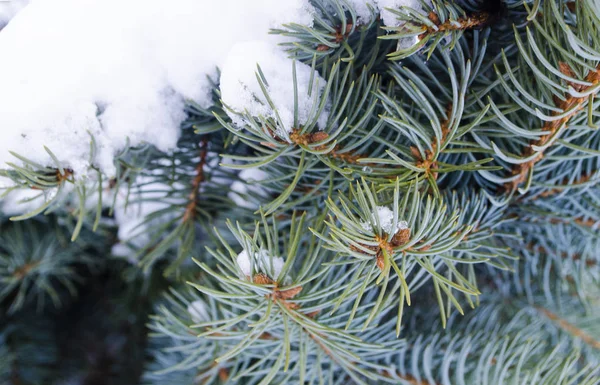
(386, 221)
(259, 262)
(241, 91)
(198, 311)
(118, 71)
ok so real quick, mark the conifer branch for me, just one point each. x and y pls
(582, 180)
(564, 255)
(352, 187)
(570, 103)
(474, 21)
(570, 328)
(190, 209)
(411, 380)
(341, 33)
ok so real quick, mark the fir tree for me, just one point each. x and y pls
(425, 211)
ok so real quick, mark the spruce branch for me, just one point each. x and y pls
(441, 23)
(418, 236)
(38, 264)
(190, 209)
(51, 182)
(429, 121)
(568, 107)
(175, 197)
(337, 36)
(349, 247)
(582, 181)
(290, 155)
(570, 328)
(265, 302)
(557, 86)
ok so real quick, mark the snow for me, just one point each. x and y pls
(241, 91)
(248, 183)
(361, 7)
(130, 214)
(8, 10)
(390, 18)
(21, 200)
(198, 311)
(386, 221)
(364, 15)
(119, 71)
(261, 261)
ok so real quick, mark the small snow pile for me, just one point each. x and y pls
(198, 311)
(131, 212)
(364, 15)
(118, 71)
(9, 8)
(248, 184)
(20, 200)
(241, 91)
(386, 221)
(260, 262)
(389, 18)
(361, 8)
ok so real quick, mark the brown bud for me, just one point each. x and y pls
(425, 248)
(290, 293)
(401, 237)
(415, 152)
(434, 18)
(348, 28)
(262, 279)
(380, 262)
(565, 69)
(290, 305)
(268, 144)
(318, 136)
(223, 374)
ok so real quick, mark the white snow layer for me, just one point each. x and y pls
(261, 261)
(9, 8)
(22, 200)
(249, 183)
(386, 221)
(132, 210)
(389, 18)
(118, 70)
(361, 7)
(198, 311)
(241, 91)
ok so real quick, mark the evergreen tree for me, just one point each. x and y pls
(426, 212)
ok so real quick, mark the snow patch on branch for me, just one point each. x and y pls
(118, 71)
(259, 262)
(361, 8)
(132, 209)
(244, 191)
(241, 91)
(385, 216)
(198, 311)
(9, 9)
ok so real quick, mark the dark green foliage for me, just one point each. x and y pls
(38, 263)
(480, 141)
